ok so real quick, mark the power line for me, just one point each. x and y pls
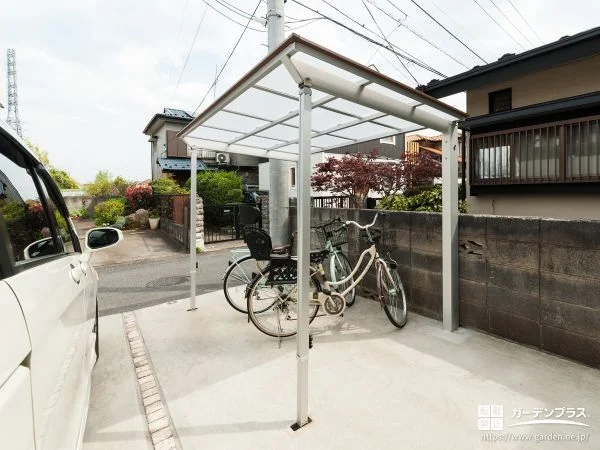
(401, 52)
(416, 33)
(187, 2)
(394, 5)
(386, 40)
(511, 22)
(189, 51)
(499, 25)
(448, 31)
(228, 58)
(232, 20)
(524, 20)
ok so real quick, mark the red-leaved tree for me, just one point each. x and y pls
(355, 175)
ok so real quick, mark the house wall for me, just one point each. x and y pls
(576, 78)
(534, 281)
(556, 206)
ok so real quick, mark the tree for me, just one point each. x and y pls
(357, 174)
(218, 187)
(351, 175)
(102, 186)
(61, 177)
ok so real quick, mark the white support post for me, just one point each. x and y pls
(303, 186)
(450, 227)
(193, 218)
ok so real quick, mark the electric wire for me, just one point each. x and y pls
(448, 31)
(187, 58)
(393, 48)
(511, 22)
(228, 58)
(419, 35)
(499, 25)
(388, 42)
(525, 20)
(230, 19)
(181, 21)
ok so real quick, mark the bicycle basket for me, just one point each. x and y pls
(282, 271)
(335, 232)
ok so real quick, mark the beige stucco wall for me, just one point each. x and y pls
(576, 78)
(556, 206)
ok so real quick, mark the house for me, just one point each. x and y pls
(168, 154)
(388, 148)
(533, 138)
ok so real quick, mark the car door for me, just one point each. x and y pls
(47, 282)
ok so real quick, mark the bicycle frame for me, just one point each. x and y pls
(373, 256)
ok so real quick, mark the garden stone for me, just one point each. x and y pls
(141, 217)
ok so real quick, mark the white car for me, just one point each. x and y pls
(48, 307)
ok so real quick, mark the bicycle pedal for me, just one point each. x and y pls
(310, 341)
(342, 315)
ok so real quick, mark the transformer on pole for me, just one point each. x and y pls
(12, 117)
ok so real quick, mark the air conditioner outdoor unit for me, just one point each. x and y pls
(222, 158)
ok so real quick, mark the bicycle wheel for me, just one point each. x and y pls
(340, 268)
(274, 309)
(392, 295)
(238, 276)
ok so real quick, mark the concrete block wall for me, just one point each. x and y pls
(534, 281)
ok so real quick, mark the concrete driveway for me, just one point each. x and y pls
(224, 385)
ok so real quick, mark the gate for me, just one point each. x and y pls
(226, 222)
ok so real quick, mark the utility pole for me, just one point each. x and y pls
(12, 118)
(278, 170)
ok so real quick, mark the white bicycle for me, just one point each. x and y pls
(272, 296)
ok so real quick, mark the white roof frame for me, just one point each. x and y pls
(419, 110)
(366, 104)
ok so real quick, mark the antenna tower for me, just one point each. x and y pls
(13, 100)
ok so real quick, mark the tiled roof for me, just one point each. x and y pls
(179, 165)
(177, 113)
(420, 138)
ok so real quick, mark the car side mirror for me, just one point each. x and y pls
(101, 238)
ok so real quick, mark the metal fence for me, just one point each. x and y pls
(330, 202)
(227, 222)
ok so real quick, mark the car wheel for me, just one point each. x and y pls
(97, 344)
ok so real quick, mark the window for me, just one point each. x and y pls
(292, 177)
(500, 100)
(65, 233)
(391, 140)
(556, 152)
(30, 230)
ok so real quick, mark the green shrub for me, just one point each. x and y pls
(107, 213)
(80, 213)
(219, 187)
(63, 179)
(427, 200)
(120, 222)
(166, 185)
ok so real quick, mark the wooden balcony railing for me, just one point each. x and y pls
(558, 152)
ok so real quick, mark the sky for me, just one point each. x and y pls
(91, 74)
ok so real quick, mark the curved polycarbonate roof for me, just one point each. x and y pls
(351, 103)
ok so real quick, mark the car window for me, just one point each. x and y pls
(62, 223)
(30, 231)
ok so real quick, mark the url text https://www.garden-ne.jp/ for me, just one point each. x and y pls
(535, 437)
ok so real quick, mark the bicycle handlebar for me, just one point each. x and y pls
(363, 227)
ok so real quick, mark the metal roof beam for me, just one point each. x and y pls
(237, 148)
(342, 88)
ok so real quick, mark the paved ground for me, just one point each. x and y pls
(126, 287)
(227, 386)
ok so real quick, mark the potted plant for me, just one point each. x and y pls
(153, 218)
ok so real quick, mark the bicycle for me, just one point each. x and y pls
(274, 310)
(242, 268)
(332, 236)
